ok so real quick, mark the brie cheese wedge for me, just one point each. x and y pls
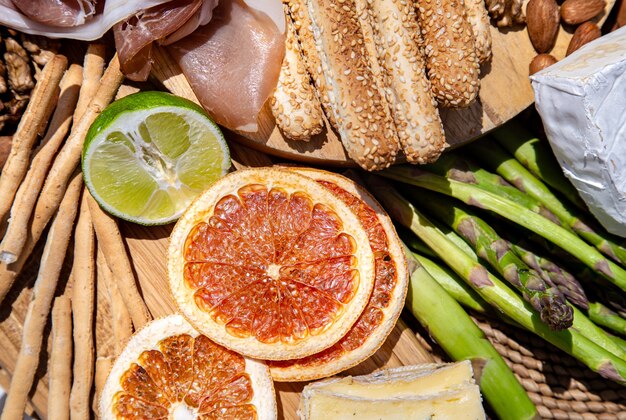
(445, 391)
(582, 102)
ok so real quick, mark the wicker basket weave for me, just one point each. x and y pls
(560, 386)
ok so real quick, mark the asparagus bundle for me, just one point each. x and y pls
(583, 342)
(476, 196)
(463, 340)
(498, 252)
(515, 173)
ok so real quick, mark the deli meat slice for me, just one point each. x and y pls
(69, 18)
(134, 36)
(232, 64)
(57, 12)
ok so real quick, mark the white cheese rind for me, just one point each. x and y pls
(582, 102)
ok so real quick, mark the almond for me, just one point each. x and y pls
(540, 62)
(542, 23)
(574, 12)
(585, 33)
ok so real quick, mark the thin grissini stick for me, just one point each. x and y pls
(60, 363)
(121, 323)
(32, 124)
(27, 194)
(83, 289)
(478, 18)
(355, 88)
(39, 306)
(5, 383)
(413, 106)
(103, 367)
(114, 251)
(294, 103)
(451, 62)
(69, 156)
(93, 66)
(64, 164)
(299, 14)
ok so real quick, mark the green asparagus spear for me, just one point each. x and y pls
(567, 284)
(475, 196)
(453, 285)
(463, 340)
(413, 243)
(605, 317)
(494, 291)
(536, 155)
(485, 241)
(515, 173)
(454, 166)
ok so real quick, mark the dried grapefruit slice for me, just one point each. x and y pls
(387, 298)
(271, 264)
(170, 371)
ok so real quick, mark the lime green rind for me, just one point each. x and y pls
(156, 198)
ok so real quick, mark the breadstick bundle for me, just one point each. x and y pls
(378, 70)
(43, 186)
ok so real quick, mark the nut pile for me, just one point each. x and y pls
(22, 57)
(543, 20)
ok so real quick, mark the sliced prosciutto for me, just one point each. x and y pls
(58, 12)
(233, 63)
(108, 13)
(134, 36)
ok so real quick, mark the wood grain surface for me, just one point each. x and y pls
(505, 92)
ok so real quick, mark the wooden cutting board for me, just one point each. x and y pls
(505, 92)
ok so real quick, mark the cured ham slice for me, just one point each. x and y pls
(58, 12)
(134, 36)
(55, 26)
(233, 63)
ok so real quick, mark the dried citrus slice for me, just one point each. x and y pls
(385, 303)
(168, 370)
(270, 264)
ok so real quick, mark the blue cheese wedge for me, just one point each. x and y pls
(445, 391)
(582, 102)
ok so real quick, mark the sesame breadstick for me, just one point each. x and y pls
(32, 123)
(83, 312)
(451, 61)
(60, 363)
(413, 107)
(295, 105)
(26, 196)
(114, 251)
(478, 17)
(39, 306)
(299, 14)
(355, 89)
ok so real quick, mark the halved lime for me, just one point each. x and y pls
(148, 155)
